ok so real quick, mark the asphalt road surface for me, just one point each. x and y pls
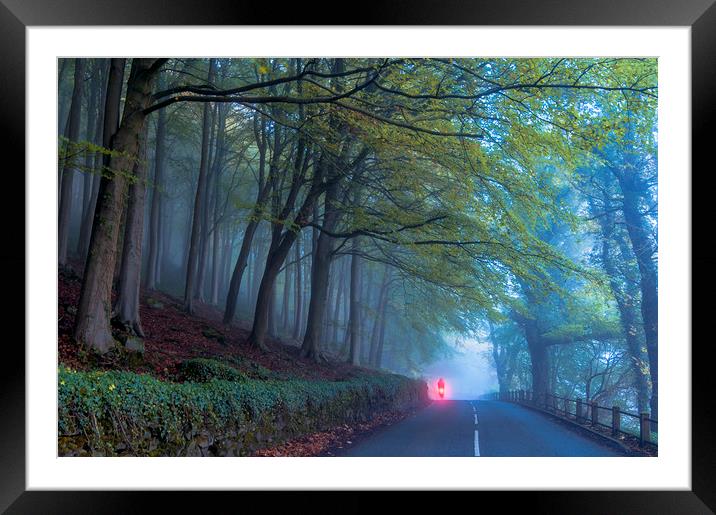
(477, 428)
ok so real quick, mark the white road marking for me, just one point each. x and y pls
(477, 438)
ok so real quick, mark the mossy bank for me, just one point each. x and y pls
(216, 412)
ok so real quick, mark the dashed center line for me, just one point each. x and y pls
(477, 437)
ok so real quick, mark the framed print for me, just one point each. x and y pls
(416, 250)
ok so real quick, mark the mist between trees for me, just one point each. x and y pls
(365, 208)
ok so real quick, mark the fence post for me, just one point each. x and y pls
(578, 411)
(616, 421)
(644, 429)
(595, 414)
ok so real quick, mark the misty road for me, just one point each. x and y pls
(477, 428)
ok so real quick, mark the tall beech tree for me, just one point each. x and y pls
(70, 162)
(193, 262)
(263, 190)
(644, 250)
(154, 264)
(93, 127)
(126, 309)
(92, 322)
(96, 160)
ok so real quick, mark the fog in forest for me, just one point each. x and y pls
(468, 372)
(490, 221)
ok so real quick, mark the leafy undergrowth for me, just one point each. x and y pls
(172, 336)
(200, 390)
(119, 413)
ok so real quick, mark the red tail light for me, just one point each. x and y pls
(441, 390)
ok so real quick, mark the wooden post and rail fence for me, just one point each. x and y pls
(589, 413)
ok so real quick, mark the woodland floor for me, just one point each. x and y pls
(172, 336)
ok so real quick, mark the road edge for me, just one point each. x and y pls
(611, 441)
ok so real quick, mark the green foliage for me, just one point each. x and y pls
(109, 411)
(202, 370)
(76, 155)
(255, 370)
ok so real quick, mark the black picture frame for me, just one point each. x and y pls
(16, 15)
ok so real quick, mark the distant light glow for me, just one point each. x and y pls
(467, 374)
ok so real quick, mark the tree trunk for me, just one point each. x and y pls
(354, 322)
(241, 261)
(250, 272)
(298, 299)
(155, 210)
(286, 298)
(260, 256)
(538, 357)
(380, 313)
(320, 271)
(498, 358)
(204, 231)
(216, 262)
(166, 238)
(99, 159)
(281, 243)
(625, 304)
(126, 309)
(69, 164)
(194, 243)
(643, 250)
(274, 261)
(226, 262)
(272, 330)
(347, 306)
(62, 102)
(89, 174)
(92, 323)
(337, 305)
(233, 295)
(381, 340)
(366, 296)
(216, 182)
